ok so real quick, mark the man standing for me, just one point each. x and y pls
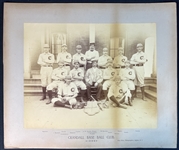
(45, 60)
(67, 94)
(80, 57)
(58, 76)
(119, 60)
(91, 55)
(119, 93)
(128, 76)
(65, 57)
(103, 60)
(138, 60)
(77, 75)
(94, 78)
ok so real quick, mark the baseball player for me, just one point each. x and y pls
(58, 76)
(65, 57)
(77, 75)
(128, 76)
(80, 57)
(109, 75)
(45, 60)
(91, 55)
(119, 93)
(67, 94)
(103, 60)
(119, 60)
(94, 78)
(138, 60)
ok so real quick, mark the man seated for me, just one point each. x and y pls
(128, 76)
(77, 75)
(119, 93)
(67, 94)
(94, 78)
(109, 75)
(58, 76)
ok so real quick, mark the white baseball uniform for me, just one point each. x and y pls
(128, 76)
(46, 61)
(65, 58)
(108, 76)
(78, 76)
(58, 76)
(67, 91)
(138, 60)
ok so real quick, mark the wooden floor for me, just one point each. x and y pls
(143, 114)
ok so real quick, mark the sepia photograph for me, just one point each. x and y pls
(101, 74)
(94, 75)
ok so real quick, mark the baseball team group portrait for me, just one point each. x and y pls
(90, 76)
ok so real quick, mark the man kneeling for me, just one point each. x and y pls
(118, 93)
(67, 94)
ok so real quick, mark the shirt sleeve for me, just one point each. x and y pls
(40, 60)
(111, 91)
(100, 76)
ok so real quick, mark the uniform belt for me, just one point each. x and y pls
(120, 67)
(47, 65)
(67, 96)
(137, 64)
(102, 67)
(81, 65)
(66, 65)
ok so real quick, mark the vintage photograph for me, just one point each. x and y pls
(90, 76)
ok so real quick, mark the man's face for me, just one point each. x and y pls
(68, 82)
(94, 64)
(118, 82)
(120, 52)
(64, 48)
(139, 48)
(92, 48)
(46, 49)
(105, 53)
(78, 50)
(76, 65)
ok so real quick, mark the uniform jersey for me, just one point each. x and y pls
(46, 59)
(109, 73)
(138, 58)
(89, 54)
(119, 60)
(102, 61)
(77, 73)
(81, 58)
(127, 74)
(93, 75)
(68, 90)
(65, 57)
(59, 74)
(117, 90)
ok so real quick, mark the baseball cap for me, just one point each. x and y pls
(139, 45)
